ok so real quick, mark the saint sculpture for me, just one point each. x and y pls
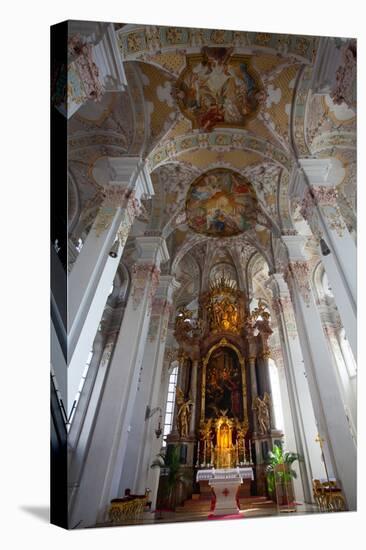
(184, 413)
(261, 407)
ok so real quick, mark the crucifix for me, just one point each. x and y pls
(320, 440)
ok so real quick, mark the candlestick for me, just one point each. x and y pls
(250, 452)
(245, 458)
(198, 454)
(204, 453)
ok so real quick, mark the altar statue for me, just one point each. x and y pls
(262, 407)
(183, 414)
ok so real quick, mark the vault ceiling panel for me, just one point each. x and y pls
(280, 93)
(204, 158)
(161, 108)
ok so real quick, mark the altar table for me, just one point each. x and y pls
(225, 484)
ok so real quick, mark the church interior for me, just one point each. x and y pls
(211, 275)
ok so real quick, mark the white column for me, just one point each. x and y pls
(104, 460)
(194, 395)
(94, 270)
(327, 61)
(95, 65)
(302, 411)
(289, 430)
(320, 209)
(150, 452)
(142, 436)
(339, 448)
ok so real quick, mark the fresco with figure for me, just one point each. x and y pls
(223, 385)
(218, 89)
(221, 203)
(211, 187)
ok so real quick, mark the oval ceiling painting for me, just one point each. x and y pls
(218, 89)
(221, 203)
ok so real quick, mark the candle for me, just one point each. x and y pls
(250, 452)
(198, 453)
(245, 458)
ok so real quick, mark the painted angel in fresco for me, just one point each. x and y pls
(218, 89)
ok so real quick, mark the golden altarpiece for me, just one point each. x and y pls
(223, 414)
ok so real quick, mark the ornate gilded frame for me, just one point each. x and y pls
(224, 343)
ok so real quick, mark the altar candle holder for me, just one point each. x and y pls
(250, 452)
(204, 453)
(244, 455)
(198, 454)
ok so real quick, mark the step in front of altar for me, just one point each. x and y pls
(244, 489)
(202, 503)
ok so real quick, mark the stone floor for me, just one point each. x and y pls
(249, 508)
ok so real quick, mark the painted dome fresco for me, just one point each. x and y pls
(218, 89)
(221, 203)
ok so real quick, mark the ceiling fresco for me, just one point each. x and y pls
(218, 89)
(221, 118)
(221, 203)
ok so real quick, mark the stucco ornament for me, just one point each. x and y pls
(143, 274)
(345, 88)
(83, 65)
(300, 272)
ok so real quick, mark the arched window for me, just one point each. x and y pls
(82, 382)
(276, 395)
(347, 354)
(169, 411)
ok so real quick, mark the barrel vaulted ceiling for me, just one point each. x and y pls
(212, 101)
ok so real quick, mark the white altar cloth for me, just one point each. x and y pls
(225, 483)
(224, 473)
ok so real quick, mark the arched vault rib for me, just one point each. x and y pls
(218, 140)
(241, 243)
(143, 42)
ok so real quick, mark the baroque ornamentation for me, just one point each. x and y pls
(345, 87)
(153, 328)
(217, 140)
(85, 70)
(300, 272)
(115, 195)
(184, 411)
(327, 199)
(104, 219)
(283, 304)
(143, 42)
(143, 274)
(302, 92)
(221, 203)
(223, 311)
(218, 89)
(262, 410)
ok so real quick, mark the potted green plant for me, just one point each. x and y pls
(279, 473)
(175, 474)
